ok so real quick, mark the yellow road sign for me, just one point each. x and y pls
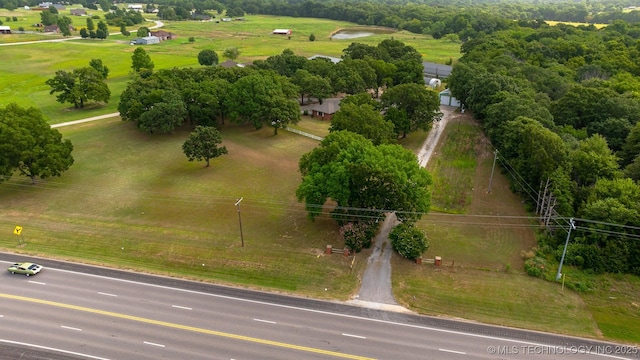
(17, 230)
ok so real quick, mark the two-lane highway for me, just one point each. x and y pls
(107, 314)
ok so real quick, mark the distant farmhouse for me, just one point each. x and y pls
(135, 7)
(230, 64)
(282, 32)
(45, 5)
(78, 12)
(163, 35)
(5, 30)
(55, 28)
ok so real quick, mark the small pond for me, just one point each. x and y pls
(345, 35)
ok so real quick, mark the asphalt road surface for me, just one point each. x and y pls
(71, 311)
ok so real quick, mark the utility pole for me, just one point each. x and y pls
(564, 252)
(495, 157)
(240, 220)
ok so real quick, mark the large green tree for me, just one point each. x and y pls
(311, 85)
(79, 86)
(364, 120)
(363, 180)
(264, 98)
(419, 106)
(29, 145)
(207, 57)
(164, 116)
(141, 61)
(202, 144)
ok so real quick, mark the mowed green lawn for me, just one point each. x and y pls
(134, 201)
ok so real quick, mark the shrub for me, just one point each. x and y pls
(358, 235)
(408, 241)
(536, 266)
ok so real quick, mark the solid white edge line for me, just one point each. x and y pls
(52, 349)
(265, 321)
(107, 294)
(181, 307)
(453, 351)
(354, 336)
(37, 282)
(330, 313)
(70, 328)
(153, 344)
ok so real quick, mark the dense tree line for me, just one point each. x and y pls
(264, 93)
(562, 106)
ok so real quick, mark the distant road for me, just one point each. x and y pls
(99, 117)
(158, 24)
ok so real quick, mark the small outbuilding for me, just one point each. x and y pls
(147, 40)
(447, 99)
(163, 35)
(78, 12)
(5, 29)
(432, 82)
(282, 32)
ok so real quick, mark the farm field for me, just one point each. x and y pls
(152, 210)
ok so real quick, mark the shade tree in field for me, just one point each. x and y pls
(202, 144)
(362, 180)
(103, 30)
(64, 24)
(207, 57)
(79, 86)
(99, 67)
(30, 146)
(143, 31)
(141, 62)
(231, 53)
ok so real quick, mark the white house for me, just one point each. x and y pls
(5, 29)
(135, 7)
(282, 32)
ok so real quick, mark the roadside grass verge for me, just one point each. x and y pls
(500, 298)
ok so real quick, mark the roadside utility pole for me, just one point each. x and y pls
(240, 220)
(564, 252)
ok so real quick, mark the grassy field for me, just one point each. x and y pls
(24, 79)
(133, 201)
